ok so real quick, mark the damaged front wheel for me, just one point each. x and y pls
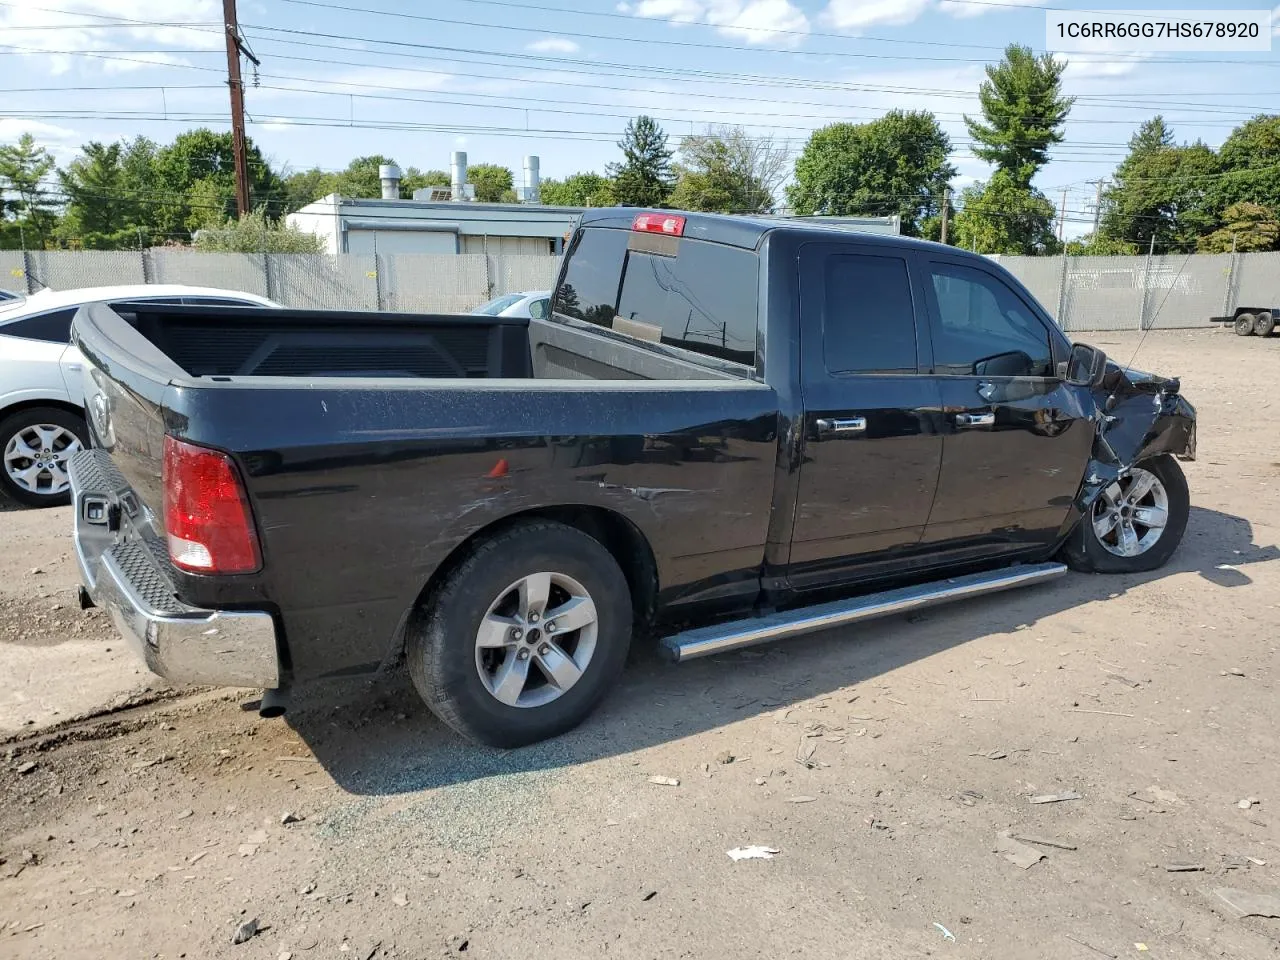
(1136, 523)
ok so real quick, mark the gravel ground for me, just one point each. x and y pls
(892, 767)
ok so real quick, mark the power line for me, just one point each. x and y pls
(692, 43)
(515, 103)
(612, 70)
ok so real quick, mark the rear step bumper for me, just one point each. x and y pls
(705, 641)
(126, 577)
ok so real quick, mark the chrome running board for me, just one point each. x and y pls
(705, 641)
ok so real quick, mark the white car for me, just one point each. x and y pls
(41, 397)
(534, 304)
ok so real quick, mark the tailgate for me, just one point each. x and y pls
(118, 497)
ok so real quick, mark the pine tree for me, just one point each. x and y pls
(644, 177)
(1024, 110)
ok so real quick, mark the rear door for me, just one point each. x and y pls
(1017, 438)
(871, 449)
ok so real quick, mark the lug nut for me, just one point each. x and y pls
(533, 618)
(516, 633)
(549, 626)
(544, 649)
(522, 653)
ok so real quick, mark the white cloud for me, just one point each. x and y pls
(976, 8)
(554, 45)
(78, 29)
(860, 14)
(778, 22)
(11, 128)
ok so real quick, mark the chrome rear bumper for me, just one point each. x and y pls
(128, 578)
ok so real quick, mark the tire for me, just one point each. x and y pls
(1264, 324)
(1244, 325)
(461, 682)
(1087, 552)
(44, 483)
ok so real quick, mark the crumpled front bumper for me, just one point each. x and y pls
(128, 578)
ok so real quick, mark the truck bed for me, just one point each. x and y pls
(350, 452)
(237, 342)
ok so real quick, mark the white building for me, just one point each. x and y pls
(447, 220)
(438, 219)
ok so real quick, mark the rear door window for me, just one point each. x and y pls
(869, 323)
(54, 327)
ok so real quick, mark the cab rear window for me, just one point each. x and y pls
(703, 299)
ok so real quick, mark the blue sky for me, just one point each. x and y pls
(505, 78)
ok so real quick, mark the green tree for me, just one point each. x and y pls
(643, 179)
(1250, 164)
(1100, 245)
(578, 190)
(28, 213)
(206, 203)
(256, 232)
(93, 184)
(1023, 109)
(1005, 215)
(1247, 227)
(727, 171)
(1163, 190)
(201, 154)
(494, 184)
(307, 186)
(895, 165)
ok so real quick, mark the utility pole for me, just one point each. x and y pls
(1062, 215)
(1097, 204)
(946, 211)
(236, 83)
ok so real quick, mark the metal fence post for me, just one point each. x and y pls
(377, 282)
(266, 272)
(1062, 293)
(148, 270)
(27, 272)
(1146, 278)
(1231, 276)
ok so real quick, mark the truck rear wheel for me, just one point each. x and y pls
(1135, 524)
(1244, 325)
(524, 637)
(1264, 324)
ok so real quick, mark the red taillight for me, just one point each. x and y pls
(672, 226)
(206, 514)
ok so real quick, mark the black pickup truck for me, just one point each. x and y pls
(726, 431)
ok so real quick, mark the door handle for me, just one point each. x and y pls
(842, 425)
(968, 420)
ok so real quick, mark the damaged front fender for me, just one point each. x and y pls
(1140, 415)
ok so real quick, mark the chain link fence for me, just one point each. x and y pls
(409, 282)
(1084, 293)
(1170, 291)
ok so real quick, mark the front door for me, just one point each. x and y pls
(870, 450)
(1017, 438)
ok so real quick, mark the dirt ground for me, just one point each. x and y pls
(156, 831)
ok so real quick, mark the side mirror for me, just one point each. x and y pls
(1086, 367)
(538, 309)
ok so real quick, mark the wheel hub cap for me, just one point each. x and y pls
(35, 458)
(518, 661)
(1129, 516)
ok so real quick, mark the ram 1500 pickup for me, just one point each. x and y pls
(726, 431)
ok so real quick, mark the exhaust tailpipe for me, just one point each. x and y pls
(274, 703)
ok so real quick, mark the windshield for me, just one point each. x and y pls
(498, 304)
